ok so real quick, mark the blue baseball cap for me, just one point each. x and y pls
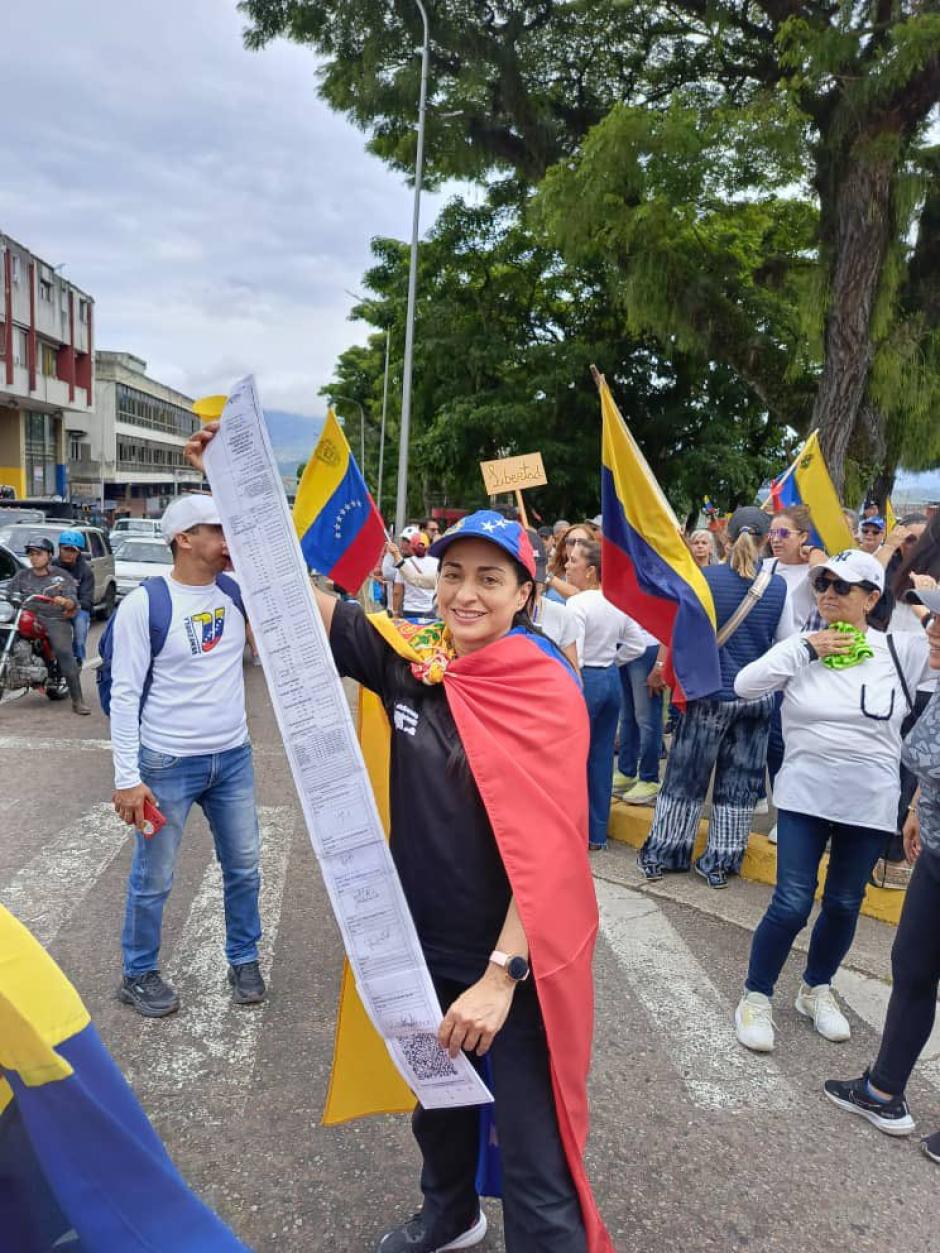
(875, 521)
(489, 525)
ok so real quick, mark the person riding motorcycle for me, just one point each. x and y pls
(45, 579)
(72, 561)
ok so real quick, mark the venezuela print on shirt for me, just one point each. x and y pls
(205, 630)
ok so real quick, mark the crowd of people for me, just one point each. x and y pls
(827, 705)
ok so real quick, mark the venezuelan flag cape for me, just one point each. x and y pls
(339, 528)
(80, 1163)
(807, 482)
(489, 694)
(646, 568)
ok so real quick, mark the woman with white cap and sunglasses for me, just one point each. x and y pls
(846, 692)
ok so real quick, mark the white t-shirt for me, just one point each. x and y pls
(606, 633)
(800, 597)
(557, 622)
(906, 621)
(418, 600)
(842, 728)
(196, 703)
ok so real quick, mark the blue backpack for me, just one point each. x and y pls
(161, 614)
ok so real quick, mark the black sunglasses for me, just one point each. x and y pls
(839, 586)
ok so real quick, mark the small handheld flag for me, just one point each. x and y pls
(807, 482)
(339, 528)
(647, 570)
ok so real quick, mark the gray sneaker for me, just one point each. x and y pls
(149, 995)
(247, 984)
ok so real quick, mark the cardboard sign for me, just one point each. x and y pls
(512, 474)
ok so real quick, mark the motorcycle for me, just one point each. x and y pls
(27, 659)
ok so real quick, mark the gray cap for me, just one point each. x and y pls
(538, 548)
(748, 518)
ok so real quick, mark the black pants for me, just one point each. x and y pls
(541, 1210)
(59, 631)
(915, 966)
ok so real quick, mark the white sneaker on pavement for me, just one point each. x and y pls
(772, 834)
(820, 1004)
(754, 1023)
(762, 807)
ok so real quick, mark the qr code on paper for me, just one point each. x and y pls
(426, 1057)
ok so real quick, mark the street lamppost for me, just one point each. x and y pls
(401, 503)
(378, 495)
(362, 428)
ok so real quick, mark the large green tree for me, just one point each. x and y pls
(846, 88)
(507, 333)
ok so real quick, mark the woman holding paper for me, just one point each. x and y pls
(505, 912)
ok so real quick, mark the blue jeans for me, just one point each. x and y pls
(801, 842)
(641, 722)
(80, 624)
(602, 696)
(223, 785)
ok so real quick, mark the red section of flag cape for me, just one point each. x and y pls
(359, 559)
(509, 700)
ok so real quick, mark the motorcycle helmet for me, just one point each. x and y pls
(40, 542)
(72, 539)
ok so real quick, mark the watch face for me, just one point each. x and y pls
(517, 968)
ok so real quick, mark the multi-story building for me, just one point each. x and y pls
(132, 455)
(46, 370)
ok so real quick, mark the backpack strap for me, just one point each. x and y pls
(892, 649)
(753, 594)
(225, 583)
(160, 605)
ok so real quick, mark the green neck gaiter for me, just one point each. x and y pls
(860, 650)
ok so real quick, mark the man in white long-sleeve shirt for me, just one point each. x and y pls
(180, 737)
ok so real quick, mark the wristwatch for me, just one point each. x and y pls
(517, 968)
(399, 564)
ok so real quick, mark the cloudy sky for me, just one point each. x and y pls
(214, 208)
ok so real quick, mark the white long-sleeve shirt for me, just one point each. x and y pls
(606, 633)
(841, 728)
(196, 703)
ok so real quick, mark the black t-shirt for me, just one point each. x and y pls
(441, 839)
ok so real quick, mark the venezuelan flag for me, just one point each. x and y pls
(647, 570)
(339, 527)
(80, 1164)
(807, 482)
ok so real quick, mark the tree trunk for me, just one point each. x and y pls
(861, 221)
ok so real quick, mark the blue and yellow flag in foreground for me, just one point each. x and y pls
(339, 528)
(807, 482)
(80, 1165)
(647, 570)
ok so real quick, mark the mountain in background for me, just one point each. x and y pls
(293, 436)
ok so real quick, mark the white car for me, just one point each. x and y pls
(140, 528)
(137, 558)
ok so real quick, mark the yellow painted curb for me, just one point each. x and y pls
(630, 824)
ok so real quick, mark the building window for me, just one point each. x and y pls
(75, 448)
(15, 268)
(40, 454)
(83, 311)
(45, 290)
(19, 346)
(47, 359)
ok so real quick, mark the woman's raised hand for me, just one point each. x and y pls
(197, 443)
(831, 643)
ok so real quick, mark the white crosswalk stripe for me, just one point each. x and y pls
(210, 1038)
(52, 885)
(694, 1021)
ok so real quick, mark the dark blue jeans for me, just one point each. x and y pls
(801, 842)
(602, 696)
(641, 722)
(223, 785)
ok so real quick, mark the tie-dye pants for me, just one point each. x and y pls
(729, 737)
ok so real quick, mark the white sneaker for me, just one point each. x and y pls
(469, 1238)
(820, 1004)
(772, 834)
(762, 807)
(754, 1023)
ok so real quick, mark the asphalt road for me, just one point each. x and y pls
(695, 1143)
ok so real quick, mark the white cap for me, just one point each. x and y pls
(854, 566)
(186, 512)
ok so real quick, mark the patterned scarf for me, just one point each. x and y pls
(860, 650)
(432, 645)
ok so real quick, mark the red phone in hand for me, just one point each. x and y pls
(153, 820)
